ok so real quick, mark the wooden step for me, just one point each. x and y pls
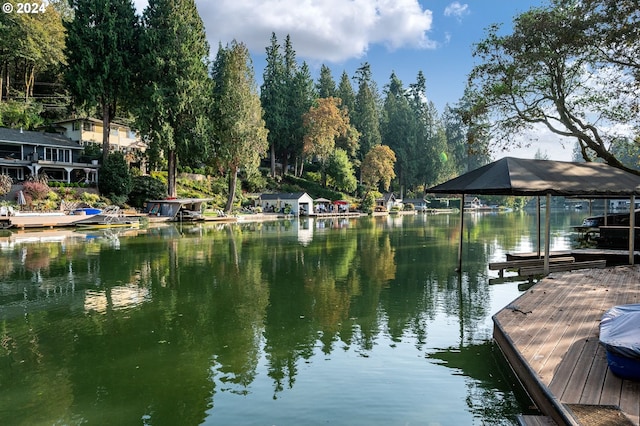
(516, 264)
(560, 267)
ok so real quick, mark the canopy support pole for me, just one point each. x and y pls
(632, 228)
(538, 218)
(547, 238)
(459, 268)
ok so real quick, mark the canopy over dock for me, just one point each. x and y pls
(518, 176)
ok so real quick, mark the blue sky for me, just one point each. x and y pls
(401, 36)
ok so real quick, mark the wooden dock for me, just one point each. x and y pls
(45, 221)
(549, 335)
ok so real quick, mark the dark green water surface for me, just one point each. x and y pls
(342, 322)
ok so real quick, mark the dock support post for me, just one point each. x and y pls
(459, 268)
(547, 236)
(538, 220)
(632, 229)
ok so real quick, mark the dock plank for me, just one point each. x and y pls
(566, 369)
(611, 390)
(629, 399)
(594, 385)
(552, 330)
(576, 385)
(536, 421)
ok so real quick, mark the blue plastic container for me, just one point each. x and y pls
(87, 211)
(620, 335)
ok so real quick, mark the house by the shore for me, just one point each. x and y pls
(24, 153)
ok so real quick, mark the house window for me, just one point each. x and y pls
(57, 154)
(16, 173)
(75, 125)
(114, 131)
(88, 126)
(57, 175)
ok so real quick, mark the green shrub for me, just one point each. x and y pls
(146, 188)
(53, 196)
(90, 198)
(254, 181)
(91, 151)
(115, 179)
(369, 202)
(313, 176)
(161, 176)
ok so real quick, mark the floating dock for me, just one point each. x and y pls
(549, 336)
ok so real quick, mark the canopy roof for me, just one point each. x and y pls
(181, 200)
(517, 176)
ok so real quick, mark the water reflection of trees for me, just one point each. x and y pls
(491, 385)
(221, 297)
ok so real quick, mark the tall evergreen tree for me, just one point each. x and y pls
(326, 86)
(292, 117)
(398, 131)
(174, 95)
(430, 153)
(365, 117)
(237, 115)
(273, 99)
(287, 93)
(100, 49)
(301, 96)
(346, 93)
(456, 142)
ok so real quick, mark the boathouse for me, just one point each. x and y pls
(295, 203)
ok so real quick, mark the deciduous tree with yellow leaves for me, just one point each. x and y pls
(324, 124)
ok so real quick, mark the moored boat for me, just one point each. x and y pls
(617, 219)
(110, 217)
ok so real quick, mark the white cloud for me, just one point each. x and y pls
(323, 30)
(457, 10)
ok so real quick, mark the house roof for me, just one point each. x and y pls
(181, 200)
(517, 176)
(91, 120)
(283, 196)
(388, 197)
(415, 200)
(19, 136)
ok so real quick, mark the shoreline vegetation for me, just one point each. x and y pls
(45, 221)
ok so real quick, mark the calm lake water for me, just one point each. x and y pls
(352, 322)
